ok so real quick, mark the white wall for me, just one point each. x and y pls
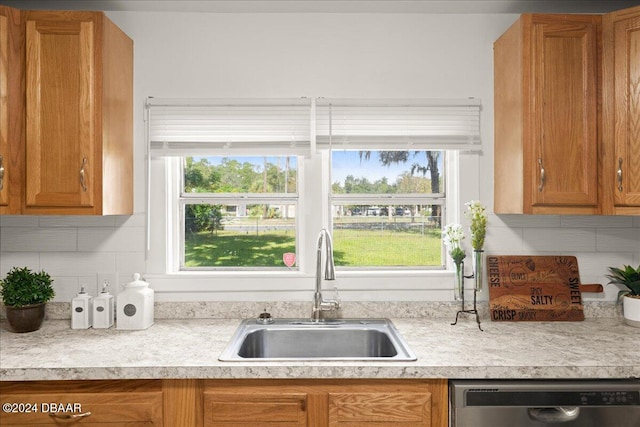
(313, 55)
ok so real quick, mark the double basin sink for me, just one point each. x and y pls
(302, 339)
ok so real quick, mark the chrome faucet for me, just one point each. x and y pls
(319, 303)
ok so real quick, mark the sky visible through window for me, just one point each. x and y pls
(395, 168)
(344, 163)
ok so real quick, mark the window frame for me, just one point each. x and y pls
(362, 284)
(184, 198)
(462, 181)
(173, 206)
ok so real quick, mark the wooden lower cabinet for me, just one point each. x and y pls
(226, 403)
(287, 408)
(330, 403)
(398, 408)
(95, 403)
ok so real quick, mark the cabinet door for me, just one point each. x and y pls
(11, 109)
(60, 112)
(96, 409)
(285, 409)
(95, 403)
(563, 138)
(382, 409)
(622, 108)
(325, 403)
(4, 114)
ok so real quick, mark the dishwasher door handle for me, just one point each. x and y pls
(560, 414)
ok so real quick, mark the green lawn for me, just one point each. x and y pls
(373, 248)
(376, 248)
(232, 249)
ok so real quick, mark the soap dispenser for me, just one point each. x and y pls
(135, 305)
(81, 310)
(103, 310)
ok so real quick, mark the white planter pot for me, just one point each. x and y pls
(631, 311)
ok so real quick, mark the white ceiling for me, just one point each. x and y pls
(333, 6)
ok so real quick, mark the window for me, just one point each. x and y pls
(388, 189)
(235, 202)
(249, 183)
(387, 208)
(238, 211)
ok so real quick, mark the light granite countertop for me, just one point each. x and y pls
(189, 348)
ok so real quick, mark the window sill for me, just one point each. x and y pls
(298, 286)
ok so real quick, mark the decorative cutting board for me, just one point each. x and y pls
(534, 288)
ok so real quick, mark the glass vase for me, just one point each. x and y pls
(478, 269)
(458, 287)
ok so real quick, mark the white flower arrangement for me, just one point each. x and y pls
(478, 217)
(452, 236)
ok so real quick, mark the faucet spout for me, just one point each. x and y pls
(319, 303)
(329, 267)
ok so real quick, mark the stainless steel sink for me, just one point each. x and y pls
(301, 339)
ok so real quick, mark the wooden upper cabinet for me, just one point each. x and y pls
(61, 137)
(546, 115)
(79, 116)
(11, 108)
(4, 120)
(621, 112)
(563, 128)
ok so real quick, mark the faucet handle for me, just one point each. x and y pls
(331, 304)
(338, 301)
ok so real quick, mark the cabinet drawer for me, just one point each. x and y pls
(95, 409)
(379, 409)
(252, 410)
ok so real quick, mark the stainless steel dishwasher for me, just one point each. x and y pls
(560, 403)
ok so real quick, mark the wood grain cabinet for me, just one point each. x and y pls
(621, 112)
(11, 109)
(227, 403)
(317, 403)
(567, 102)
(79, 80)
(4, 37)
(546, 119)
(75, 149)
(382, 407)
(95, 403)
(231, 407)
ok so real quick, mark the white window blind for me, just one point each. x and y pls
(395, 124)
(229, 127)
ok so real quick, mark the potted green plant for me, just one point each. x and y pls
(24, 294)
(628, 277)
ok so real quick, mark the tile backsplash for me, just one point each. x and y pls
(89, 250)
(75, 250)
